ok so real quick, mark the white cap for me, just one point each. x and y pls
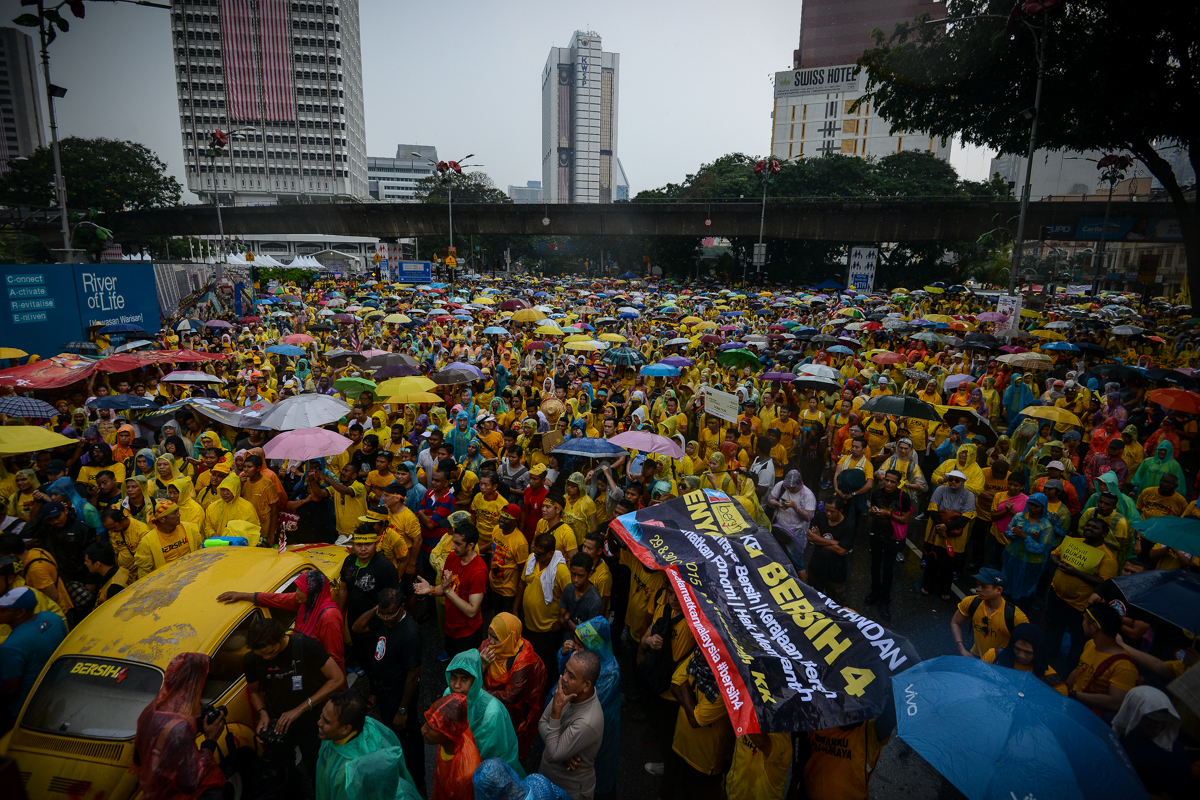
(954, 473)
(1055, 465)
(883, 379)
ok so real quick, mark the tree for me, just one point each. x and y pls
(469, 187)
(1116, 77)
(104, 174)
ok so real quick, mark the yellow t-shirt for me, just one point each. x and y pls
(378, 481)
(848, 462)
(564, 535)
(1076, 591)
(1121, 672)
(348, 508)
(88, 474)
(880, 433)
(509, 554)
(487, 515)
(540, 616)
(989, 630)
(841, 762)
(263, 495)
(707, 748)
(1151, 504)
(788, 431)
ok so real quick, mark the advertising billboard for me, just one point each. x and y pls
(818, 80)
(47, 305)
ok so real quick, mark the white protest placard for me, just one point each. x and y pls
(862, 268)
(721, 404)
(1010, 305)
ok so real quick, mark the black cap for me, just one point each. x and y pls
(56, 465)
(6, 565)
(53, 509)
(394, 488)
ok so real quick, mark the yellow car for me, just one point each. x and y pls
(74, 736)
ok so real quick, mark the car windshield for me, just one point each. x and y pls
(92, 697)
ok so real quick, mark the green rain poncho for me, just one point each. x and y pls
(490, 723)
(368, 767)
(1125, 504)
(1155, 466)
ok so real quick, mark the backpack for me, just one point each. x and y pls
(1010, 613)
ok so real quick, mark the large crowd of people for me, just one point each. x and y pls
(1014, 458)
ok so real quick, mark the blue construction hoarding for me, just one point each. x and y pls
(412, 272)
(47, 305)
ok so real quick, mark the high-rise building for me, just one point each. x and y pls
(285, 80)
(531, 192)
(622, 182)
(20, 98)
(579, 122)
(394, 180)
(815, 101)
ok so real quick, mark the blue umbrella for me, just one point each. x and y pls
(122, 402)
(286, 350)
(996, 733)
(659, 371)
(841, 348)
(495, 330)
(590, 448)
(122, 328)
(1172, 594)
(1061, 346)
(21, 406)
(188, 324)
(628, 315)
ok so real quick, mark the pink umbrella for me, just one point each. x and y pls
(296, 338)
(992, 316)
(305, 443)
(369, 353)
(648, 442)
(728, 328)
(1012, 348)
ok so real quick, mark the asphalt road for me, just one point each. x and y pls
(900, 773)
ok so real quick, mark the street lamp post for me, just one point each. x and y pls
(447, 169)
(767, 169)
(1018, 243)
(52, 91)
(217, 146)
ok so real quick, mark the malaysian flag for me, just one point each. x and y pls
(256, 52)
(282, 543)
(355, 339)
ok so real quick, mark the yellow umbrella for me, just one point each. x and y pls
(934, 290)
(545, 330)
(1051, 335)
(585, 345)
(373, 314)
(1053, 413)
(528, 315)
(578, 337)
(412, 383)
(484, 300)
(940, 318)
(689, 320)
(12, 352)
(397, 319)
(1025, 312)
(420, 398)
(15, 439)
(707, 325)
(612, 337)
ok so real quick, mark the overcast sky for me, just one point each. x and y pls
(466, 78)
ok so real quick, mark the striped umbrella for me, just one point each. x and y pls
(19, 406)
(588, 447)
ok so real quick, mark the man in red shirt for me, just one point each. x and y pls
(531, 501)
(464, 581)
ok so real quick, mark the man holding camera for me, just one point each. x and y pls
(289, 676)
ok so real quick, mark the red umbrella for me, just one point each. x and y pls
(711, 338)
(776, 328)
(248, 320)
(443, 318)
(872, 326)
(1176, 400)
(888, 358)
(515, 304)
(538, 346)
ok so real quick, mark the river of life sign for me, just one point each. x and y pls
(862, 268)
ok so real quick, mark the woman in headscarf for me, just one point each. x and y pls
(100, 459)
(1148, 726)
(164, 473)
(946, 450)
(596, 636)
(64, 490)
(419, 427)
(317, 615)
(437, 416)
(179, 492)
(1112, 409)
(977, 403)
(175, 448)
(137, 503)
(169, 765)
(580, 510)
(951, 511)
(1031, 537)
(122, 450)
(229, 506)
(22, 501)
(515, 676)
(495, 780)
(1105, 432)
(735, 484)
(447, 725)
(490, 721)
(1026, 652)
(461, 435)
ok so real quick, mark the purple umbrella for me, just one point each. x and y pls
(468, 367)
(1012, 348)
(778, 376)
(218, 323)
(992, 316)
(647, 442)
(677, 361)
(731, 345)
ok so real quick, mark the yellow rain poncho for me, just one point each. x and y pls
(221, 512)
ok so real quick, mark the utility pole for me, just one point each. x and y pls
(1040, 50)
(52, 91)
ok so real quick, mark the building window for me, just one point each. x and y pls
(850, 146)
(793, 113)
(850, 126)
(850, 107)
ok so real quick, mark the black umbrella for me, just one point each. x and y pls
(343, 353)
(391, 360)
(976, 336)
(825, 337)
(397, 371)
(1172, 377)
(816, 382)
(1173, 595)
(1118, 373)
(448, 377)
(321, 327)
(624, 357)
(122, 402)
(975, 423)
(1089, 347)
(88, 346)
(901, 406)
(988, 347)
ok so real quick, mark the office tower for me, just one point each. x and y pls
(531, 192)
(394, 180)
(815, 102)
(579, 122)
(20, 97)
(284, 80)
(622, 182)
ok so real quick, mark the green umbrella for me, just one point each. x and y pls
(1182, 533)
(351, 388)
(739, 357)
